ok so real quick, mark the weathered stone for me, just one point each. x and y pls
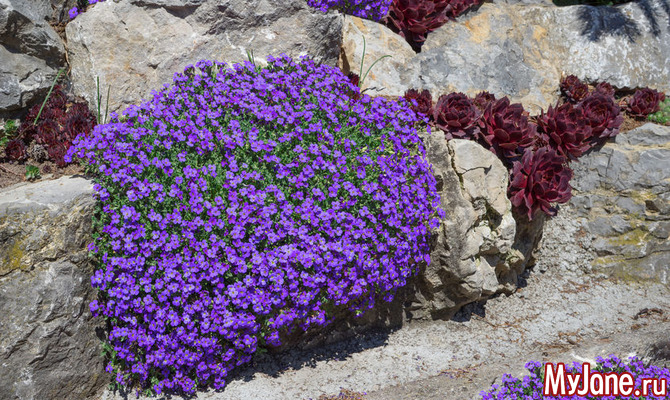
(519, 50)
(24, 29)
(136, 47)
(627, 184)
(48, 343)
(474, 254)
(31, 53)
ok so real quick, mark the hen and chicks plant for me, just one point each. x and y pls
(242, 204)
(47, 131)
(537, 150)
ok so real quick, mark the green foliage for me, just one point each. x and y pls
(32, 173)
(360, 83)
(99, 119)
(662, 116)
(8, 132)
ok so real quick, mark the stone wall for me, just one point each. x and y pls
(49, 348)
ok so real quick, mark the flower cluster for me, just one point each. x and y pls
(74, 11)
(242, 203)
(373, 10)
(531, 387)
(50, 136)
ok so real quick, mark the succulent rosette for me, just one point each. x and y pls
(603, 114)
(566, 129)
(421, 102)
(483, 99)
(644, 102)
(16, 150)
(414, 19)
(538, 180)
(242, 204)
(506, 129)
(605, 88)
(457, 116)
(573, 89)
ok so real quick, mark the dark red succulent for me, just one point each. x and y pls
(603, 115)
(457, 116)
(565, 129)
(58, 125)
(57, 99)
(79, 120)
(458, 7)
(506, 129)
(573, 89)
(483, 99)
(644, 102)
(414, 19)
(539, 179)
(16, 150)
(57, 153)
(421, 102)
(353, 78)
(48, 133)
(605, 88)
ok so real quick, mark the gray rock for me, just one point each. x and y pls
(518, 50)
(48, 343)
(24, 29)
(31, 53)
(627, 184)
(136, 47)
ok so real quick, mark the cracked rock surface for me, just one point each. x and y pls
(621, 205)
(48, 343)
(478, 250)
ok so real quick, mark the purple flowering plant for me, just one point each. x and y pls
(531, 387)
(81, 7)
(241, 204)
(374, 10)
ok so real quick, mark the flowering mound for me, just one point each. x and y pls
(531, 387)
(240, 204)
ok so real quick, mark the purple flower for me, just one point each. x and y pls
(73, 12)
(256, 204)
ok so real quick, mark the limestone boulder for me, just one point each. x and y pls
(49, 348)
(137, 46)
(476, 251)
(519, 50)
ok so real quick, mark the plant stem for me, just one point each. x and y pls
(47, 98)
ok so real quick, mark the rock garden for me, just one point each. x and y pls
(365, 199)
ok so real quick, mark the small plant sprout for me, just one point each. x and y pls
(32, 173)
